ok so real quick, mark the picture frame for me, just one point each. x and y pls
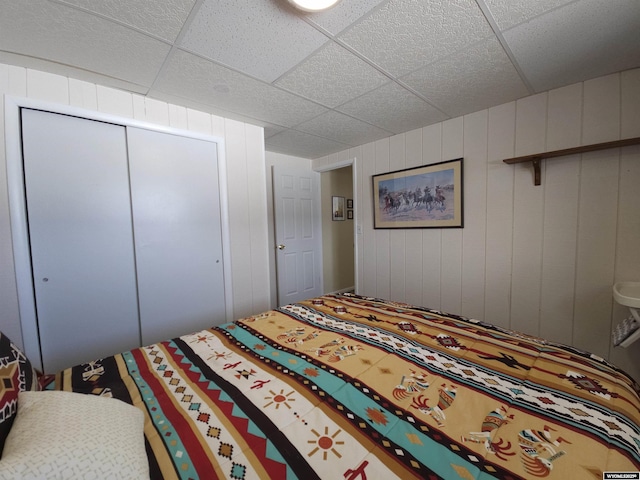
(429, 196)
(349, 214)
(337, 208)
(349, 203)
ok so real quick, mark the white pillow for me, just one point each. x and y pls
(64, 435)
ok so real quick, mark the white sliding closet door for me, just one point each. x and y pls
(79, 214)
(178, 235)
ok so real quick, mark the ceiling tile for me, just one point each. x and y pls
(270, 130)
(405, 35)
(342, 128)
(163, 19)
(343, 14)
(393, 108)
(301, 144)
(470, 80)
(332, 76)
(200, 80)
(580, 41)
(262, 39)
(68, 36)
(508, 14)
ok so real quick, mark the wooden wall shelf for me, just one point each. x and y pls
(536, 158)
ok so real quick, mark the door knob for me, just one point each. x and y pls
(280, 247)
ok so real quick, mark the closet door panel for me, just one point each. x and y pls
(177, 230)
(78, 203)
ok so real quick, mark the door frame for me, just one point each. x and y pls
(18, 210)
(353, 163)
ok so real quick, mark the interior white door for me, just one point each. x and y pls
(178, 233)
(79, 214)
(298, 230)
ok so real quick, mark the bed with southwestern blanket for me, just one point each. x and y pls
(358, 388)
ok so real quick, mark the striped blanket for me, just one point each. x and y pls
(357, 388)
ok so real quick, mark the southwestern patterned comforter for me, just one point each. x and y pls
(357, 388)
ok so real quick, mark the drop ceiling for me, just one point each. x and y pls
(321, 83)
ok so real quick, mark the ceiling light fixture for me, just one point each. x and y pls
(313, 5)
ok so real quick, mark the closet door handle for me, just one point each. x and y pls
(280, 247)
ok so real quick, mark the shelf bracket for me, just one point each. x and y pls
(536, 158)
(535, 162)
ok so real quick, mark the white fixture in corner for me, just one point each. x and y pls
(313, 5)
(628, 294)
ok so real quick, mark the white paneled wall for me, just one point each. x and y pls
(246, 182)
(539, 259)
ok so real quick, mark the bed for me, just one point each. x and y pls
(352, 387)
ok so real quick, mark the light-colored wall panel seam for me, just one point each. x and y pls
(251, 226)
(578, 212)
(513, 216)
(241, 158)
(620, 173)
(544, 200)
(486, 217)
(460, 302)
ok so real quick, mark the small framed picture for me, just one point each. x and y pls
(337, 208)
(349, 203)
(349, 214)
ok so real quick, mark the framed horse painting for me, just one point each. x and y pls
(429, 196)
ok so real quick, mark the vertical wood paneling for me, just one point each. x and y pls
(559, 248)
(8, 292)
(383, 279)
(139, 111)
(397, 238)
(368, 283)
(239, 220)
(83, 94)
(528, 218)
(562, 187)
(630, 101)
(475, 216)
(342, 156)
(150, 110)
(596, 250)
(627, 263)
(17, 81)
(319, 163)
(564, 118)
(597, 221)
(413, 239)
(48, 87)
(114, 102)
(451, 248)
(257, 192)
(627, 266)
(356, 155)
(431, 237)
(178, 117)
(156, 111)
(218, 126)
(499, 239)
(199, 122)
(601, 120)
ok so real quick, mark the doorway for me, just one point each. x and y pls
(291, 164)
(338, 238)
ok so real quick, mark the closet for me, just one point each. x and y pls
(125, 235)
